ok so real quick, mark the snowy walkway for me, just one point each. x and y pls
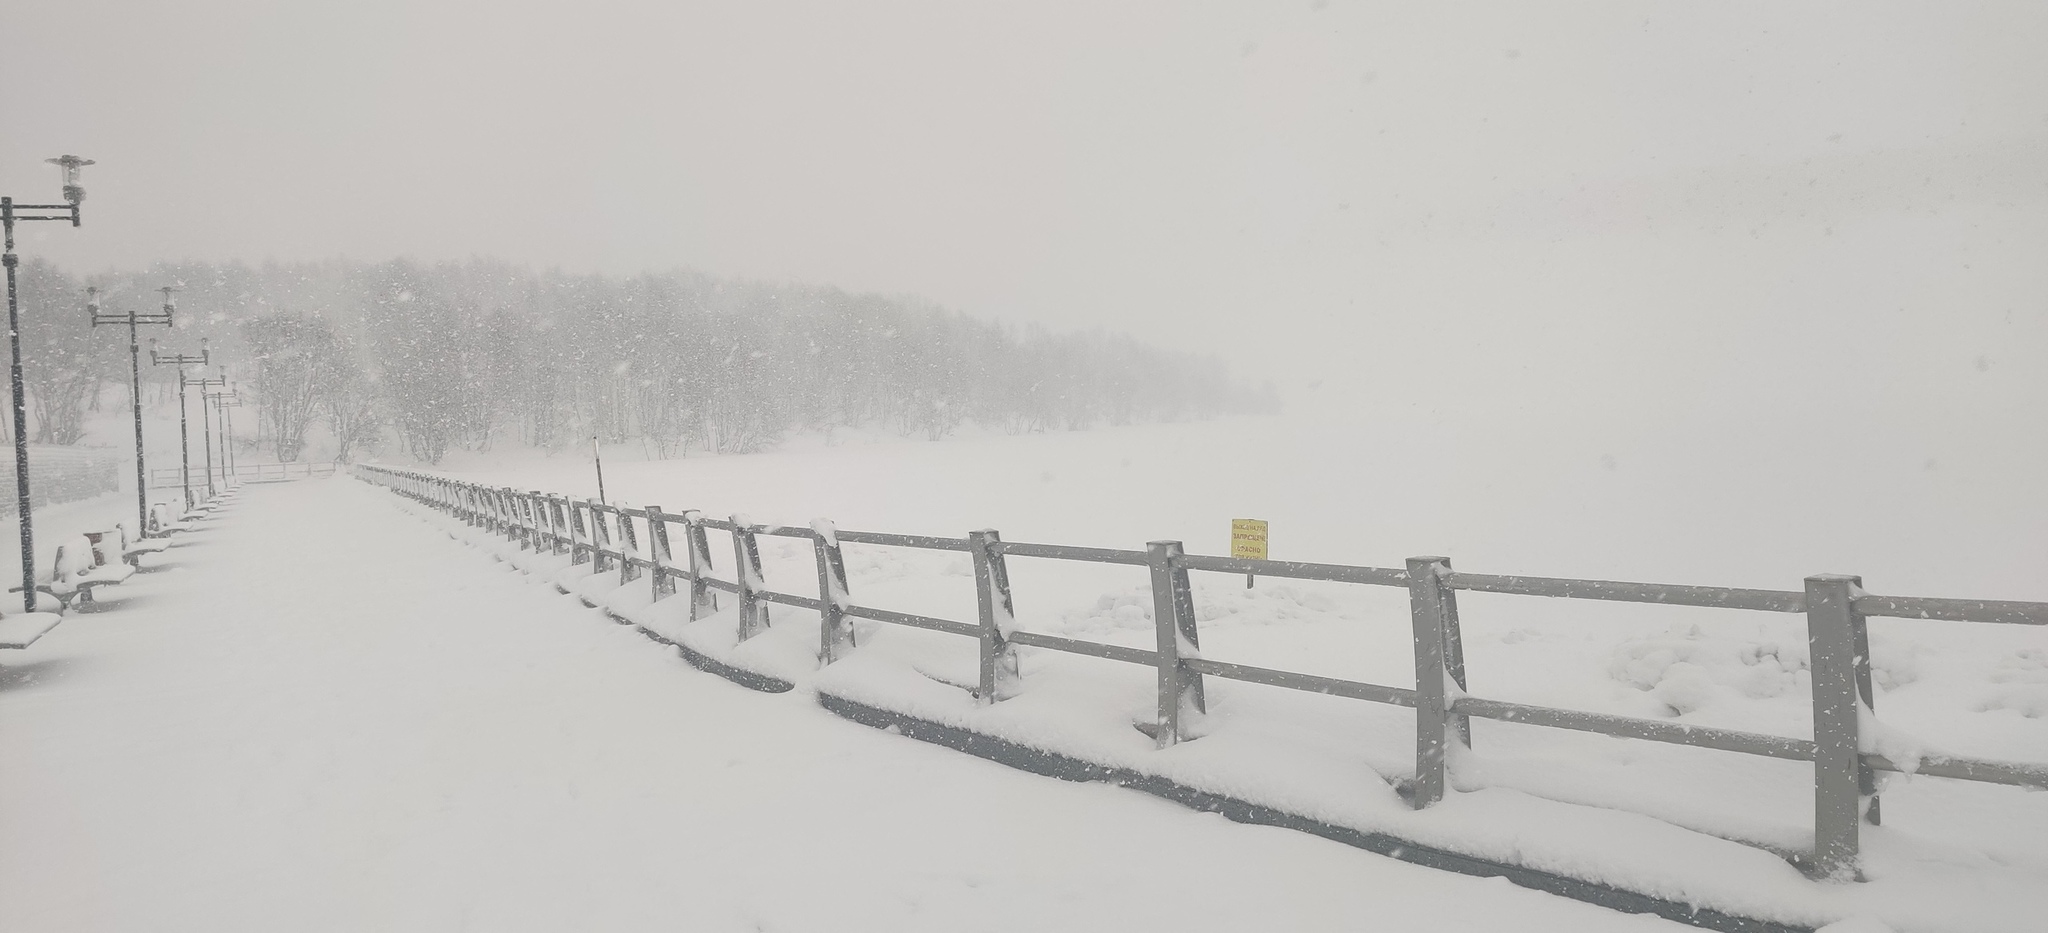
(322, 714)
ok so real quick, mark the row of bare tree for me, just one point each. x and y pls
(441, 357)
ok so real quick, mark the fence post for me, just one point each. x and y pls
(501, 511)
(835, 633)
(578, 535)
(999, 673)
(1430, 608)
(522, 517)
(1454, 655)
(558, 513)
(1173, 622)
(746, 554)
(658, 553)
(702, 602)
(629, 545)
(542, 528)
(1837, 642)
(600, 539)
(543, 522)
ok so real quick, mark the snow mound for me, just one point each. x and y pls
(2020, 684)
(1688, 669)
(1279, 604)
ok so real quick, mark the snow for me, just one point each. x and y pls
(22, 629)
(374, 726)
(1695, 825)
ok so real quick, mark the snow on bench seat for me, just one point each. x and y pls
(21, 629)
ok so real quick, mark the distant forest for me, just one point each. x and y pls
(434, 358)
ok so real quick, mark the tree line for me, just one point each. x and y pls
(434, 358)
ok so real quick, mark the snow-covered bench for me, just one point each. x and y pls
(80, 569)
(164, 521)
(130, 549)
(21, 629)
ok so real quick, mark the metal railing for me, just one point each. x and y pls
(172, 477)
(1835, 607)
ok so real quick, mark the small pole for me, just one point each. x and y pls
(597, 457)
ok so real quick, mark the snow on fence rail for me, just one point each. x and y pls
(1835, 607)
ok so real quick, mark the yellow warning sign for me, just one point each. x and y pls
(1248, 538)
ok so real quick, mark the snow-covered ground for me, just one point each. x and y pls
(317, 713)
(1691, 824)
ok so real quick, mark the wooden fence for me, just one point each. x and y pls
(1835, 607)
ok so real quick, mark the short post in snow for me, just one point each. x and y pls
(1181, 696)
(999, 671)
(746, 553)
(597, 458)
(1430, 610)
(1838, 646)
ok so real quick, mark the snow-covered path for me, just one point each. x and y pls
(323, 714)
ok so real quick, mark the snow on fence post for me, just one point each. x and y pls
(746, 554)
(1454, 656)
(516, 503)
(658, 553)
(999, 674)
(1181, 696)
(629, 546)
(600, 540)
(579, 537)
(1429, 611)
(1838, 650)
(702, 603)
(558, 516)
(835, 633)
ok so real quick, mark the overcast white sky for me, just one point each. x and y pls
(1604, 200)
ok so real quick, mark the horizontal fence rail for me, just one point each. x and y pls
(643, 542)
(173, 477)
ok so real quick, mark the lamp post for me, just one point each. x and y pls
(181, 360)
(134, 319)
(224, 400)
(206, 426)
(9, 213)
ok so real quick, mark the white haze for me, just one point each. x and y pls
(1779, 249)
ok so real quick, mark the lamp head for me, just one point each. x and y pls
(92, 300)
(70, 164)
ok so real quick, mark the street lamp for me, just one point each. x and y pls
(205, 423)
(9, 213)
(181, 360)
(223, 401)
(134, 319)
